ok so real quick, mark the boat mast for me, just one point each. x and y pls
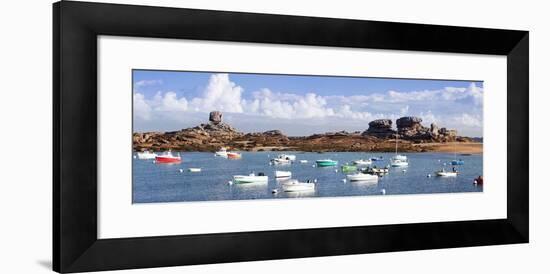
(396, 144)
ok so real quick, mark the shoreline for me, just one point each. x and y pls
(450, 147)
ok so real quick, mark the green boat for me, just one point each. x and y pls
(349, 168)
(326, 162)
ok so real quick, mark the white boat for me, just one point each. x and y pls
(363, 162)
(251, 178)
(282, 174)
(398, 160)
(400, 157)
(362, 177)
(194, 169)
(399, 163)
(443, 173)
(221, 153)
(295, 185)
(287, 157)
(303, 161)
(146, 155)
(278, 161)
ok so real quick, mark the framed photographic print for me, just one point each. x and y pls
(188, 136)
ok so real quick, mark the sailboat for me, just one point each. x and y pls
(456, 162)
(398, 160)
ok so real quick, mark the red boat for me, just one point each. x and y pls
(234, 155)
(168, 158)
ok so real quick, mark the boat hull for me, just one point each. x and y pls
(446, 174)
(146, 156)
(167, 160)
(283, 174)
(363, 177)
(298, 187)
(250, 179)
(349, 168)
(326, 163)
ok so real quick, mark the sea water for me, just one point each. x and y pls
(153, 182)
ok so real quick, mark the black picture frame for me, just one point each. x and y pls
(76, 246)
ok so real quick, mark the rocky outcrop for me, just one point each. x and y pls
(380, 128)
(434, 130)
(410, 127)
(215, 117)
(378, 137)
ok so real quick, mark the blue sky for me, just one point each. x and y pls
(300, 105)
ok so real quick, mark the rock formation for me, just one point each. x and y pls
(434, 130)
(215, 117)
(380, 128)
(215, 134)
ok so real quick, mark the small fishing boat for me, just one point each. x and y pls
(303, 161)
(399, 163)
(363, 162)
(251, 178)
(168, 158)
(398, 160)
(377, 171)
(287, 157)
(295, 185)
(400, 157)
(194, 169)
(282, 174)
(362, 177)
(458, 162)
(234, 155)
(221, 153)
(146, 155)
(278, 161)
(443, 173)
(326, 162)
(349, 168)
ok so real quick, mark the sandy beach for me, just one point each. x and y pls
(471, 148)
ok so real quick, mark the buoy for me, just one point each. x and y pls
(135, 156)
(429, 175)
(230, 183)
(344, 180)
(439, 161)
(274, 191)
(336, 170)
(181, 170)
(383, 191)
(270, 163)
(312, 165)
(404, 170)
(315, 180)
(154, 161)
(444, 164)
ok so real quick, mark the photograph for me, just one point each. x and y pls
(217, 136)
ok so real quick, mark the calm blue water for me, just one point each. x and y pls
(165, 183)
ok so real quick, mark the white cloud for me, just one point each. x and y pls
(468, 120)
(145, 83)
(220, 94)
(141, 108)
(170, 102)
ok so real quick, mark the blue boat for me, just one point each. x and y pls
(458, 162)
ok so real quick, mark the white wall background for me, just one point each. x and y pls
(25, 135)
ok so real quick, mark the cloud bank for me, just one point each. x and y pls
(454, 107)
